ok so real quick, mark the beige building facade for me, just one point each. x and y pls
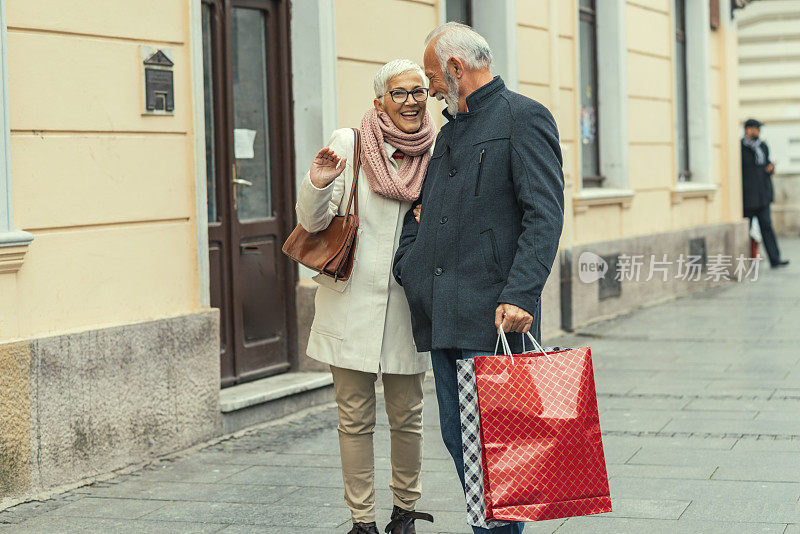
(144, 302)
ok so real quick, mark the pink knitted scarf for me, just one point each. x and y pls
(406, 183)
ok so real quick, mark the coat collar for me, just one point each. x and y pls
(478, 98)
(389, 149)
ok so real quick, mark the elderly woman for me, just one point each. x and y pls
(362, 326)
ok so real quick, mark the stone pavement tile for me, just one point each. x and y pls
(661, 471)
(456, 522)
(730, 426)
(182, 491)
(315, 496)
(659, 364)
(186, 470)
(759, 405)
(209, 456)
(614, 388)
(251, 514)
(634, 409)
(432, 481)
(624, 374)
(84, 525)
(726, 490)
(792, 529)
(747, 509)
(643, 403)
(255, 529)
(326, 477)
(300, 460)
(752, 383)
(607, 525)
(779, 416)
(754, 472)
(442, 501)
(107, 508)
(26, 510)
(671, 442)
(617, 452)
(682, 387)
(685, 457)
(745, 444)
(647, 508)
(788, 393)
(621, 421)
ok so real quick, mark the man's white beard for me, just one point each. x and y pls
(451, 98)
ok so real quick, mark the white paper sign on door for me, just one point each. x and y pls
(243, 141)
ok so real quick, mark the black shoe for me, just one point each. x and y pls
(403, 521)
(781, 263)
(364, 528)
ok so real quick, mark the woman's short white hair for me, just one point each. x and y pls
(461, 41)
(392, 69)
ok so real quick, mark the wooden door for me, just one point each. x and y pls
(250, 174)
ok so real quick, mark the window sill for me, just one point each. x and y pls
(13, 246)
(602, 196)
(684, 190)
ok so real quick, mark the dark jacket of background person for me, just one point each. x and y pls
(756, 181)
(492, 215)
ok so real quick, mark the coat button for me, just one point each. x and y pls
(444, 220)
(453, 172)
(438, 271)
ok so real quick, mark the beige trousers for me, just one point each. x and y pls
(355, 396)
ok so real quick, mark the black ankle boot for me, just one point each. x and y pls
(364, 528)
(403, 521)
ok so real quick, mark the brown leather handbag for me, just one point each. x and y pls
(330, 251)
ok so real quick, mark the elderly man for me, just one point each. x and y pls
(757, 192)
(478, 251)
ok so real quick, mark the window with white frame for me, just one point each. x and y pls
(588, 113)
(681, 94)
(9, 238)
(603, 98)
(459, 11)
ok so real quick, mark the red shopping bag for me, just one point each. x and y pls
(540, 430)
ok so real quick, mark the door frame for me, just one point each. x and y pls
(285, 170)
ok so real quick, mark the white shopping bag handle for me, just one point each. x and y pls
(501, 336)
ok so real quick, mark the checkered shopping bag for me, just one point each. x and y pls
(542, 453)
(471, 441)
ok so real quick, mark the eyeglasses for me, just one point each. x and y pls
(399, 96)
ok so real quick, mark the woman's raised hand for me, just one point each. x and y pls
(326, 167)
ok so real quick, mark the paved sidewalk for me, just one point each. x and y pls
(700, 409)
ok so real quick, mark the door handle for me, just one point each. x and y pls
(237, 181)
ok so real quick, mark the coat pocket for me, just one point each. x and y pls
(491, 257)
(480, 172)
(326, 281)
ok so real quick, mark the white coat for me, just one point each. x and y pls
(364, 323)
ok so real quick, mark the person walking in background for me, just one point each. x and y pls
(362, 326)
(757, 190)
(478, 251)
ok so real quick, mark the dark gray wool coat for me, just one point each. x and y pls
(492, 214)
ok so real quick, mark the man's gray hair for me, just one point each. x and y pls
(461, 41)
(392, 69)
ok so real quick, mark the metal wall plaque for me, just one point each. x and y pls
(159, 87)
(608, 286)
(159, 92)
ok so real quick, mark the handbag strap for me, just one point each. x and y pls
(356, 170)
